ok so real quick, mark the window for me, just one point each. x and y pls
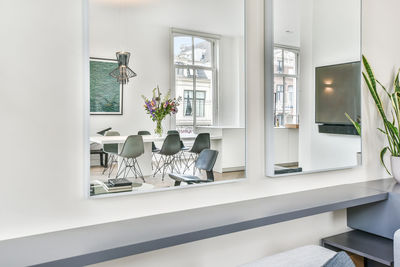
(195, 70)
(188, 103)
(285, 85)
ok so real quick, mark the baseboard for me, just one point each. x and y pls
(234, 169)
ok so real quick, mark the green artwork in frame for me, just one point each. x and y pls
(105, 91)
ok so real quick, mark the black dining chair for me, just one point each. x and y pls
(154, 149)
(206, 162)
(201, 142)
(132, 149)
(181, 158)
(168, 155)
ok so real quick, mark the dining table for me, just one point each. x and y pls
(145, 160)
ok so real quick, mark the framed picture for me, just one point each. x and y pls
(106, 93)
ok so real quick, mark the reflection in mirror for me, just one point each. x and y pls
(167, 94)
(316, 86)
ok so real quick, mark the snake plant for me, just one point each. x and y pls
(356, 124)
(391, 123)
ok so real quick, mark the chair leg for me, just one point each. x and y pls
(101, 160)
(157, 161)
(182, 161)
(191, 161)
(159, 165)
(121, 168)
(194, 164)
(165, 165)
(109, 164)
(136, 166)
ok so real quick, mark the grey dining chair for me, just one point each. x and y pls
(154, 149)
(168, 155)
(201, 142)
(181, 156)
(132, 149)
(206, 162)
(112, 152)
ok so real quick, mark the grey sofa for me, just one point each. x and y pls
(396, 248)
(312, 256)
(307, 256)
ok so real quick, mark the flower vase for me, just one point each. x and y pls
(158, 131)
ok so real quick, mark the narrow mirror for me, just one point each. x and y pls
(314, 96)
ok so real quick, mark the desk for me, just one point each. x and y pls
(146, 158)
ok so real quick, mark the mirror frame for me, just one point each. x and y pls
(86, 114)
(268, 95)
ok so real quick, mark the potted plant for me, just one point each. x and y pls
(159, 108)
(391, 123)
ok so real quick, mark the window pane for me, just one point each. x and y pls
(290, 101)
(204, 97)
(184, 88)
(188, 103)
(290, 63)
(183, 50)
(202, 52)
(200, 103)
(278, 102)
(278, 60)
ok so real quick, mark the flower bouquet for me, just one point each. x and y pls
(159, 108)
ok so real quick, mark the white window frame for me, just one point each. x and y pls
(295, 50)
(214, 39)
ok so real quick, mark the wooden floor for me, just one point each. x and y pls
(158, 181)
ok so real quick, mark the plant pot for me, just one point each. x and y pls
(395, 162)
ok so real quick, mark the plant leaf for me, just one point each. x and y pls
(356, 124)
(383, 152)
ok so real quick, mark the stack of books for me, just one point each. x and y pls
(118, 185)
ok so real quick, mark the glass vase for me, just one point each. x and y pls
(158, 131)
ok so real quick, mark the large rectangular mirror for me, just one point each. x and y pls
(167, 94)
(313, 85)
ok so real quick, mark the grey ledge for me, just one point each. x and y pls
(98, 243)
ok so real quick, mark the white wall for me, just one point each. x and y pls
(286, 145)
(287, 26)
(143, 28)
(41, 106)
(330, 34)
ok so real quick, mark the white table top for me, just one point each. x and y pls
(146, 139)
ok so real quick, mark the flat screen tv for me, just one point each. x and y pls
(337, 91)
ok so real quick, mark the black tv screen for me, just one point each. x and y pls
(337, 91)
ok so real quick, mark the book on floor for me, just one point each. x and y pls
(120, 182)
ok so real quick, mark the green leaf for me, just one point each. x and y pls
(356, 124)
(369, 71)
(384, 88)
(382, 131)
(383, 152)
